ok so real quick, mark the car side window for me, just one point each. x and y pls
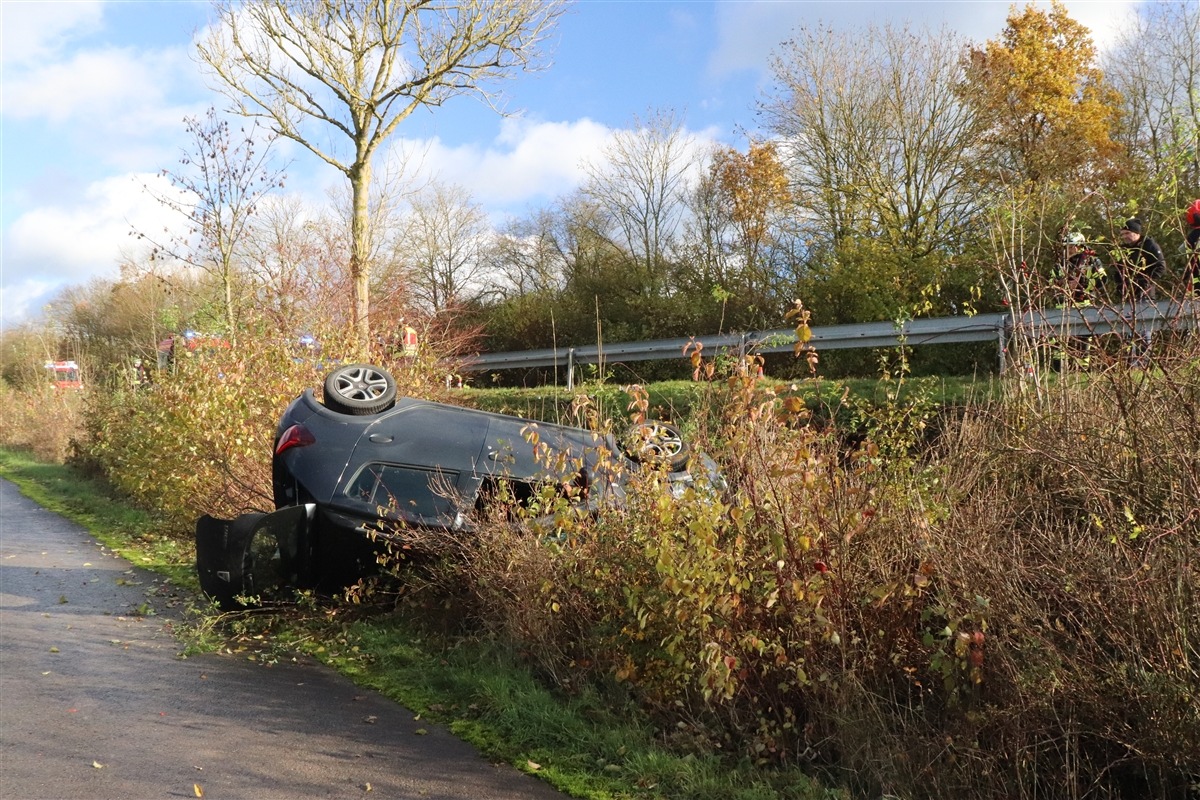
(406, 492)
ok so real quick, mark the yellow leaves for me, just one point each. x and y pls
(197, 790)
(1047, 100)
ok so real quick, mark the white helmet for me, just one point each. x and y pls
(1074, 237)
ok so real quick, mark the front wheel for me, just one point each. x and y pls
(360, 389)
(657, 443)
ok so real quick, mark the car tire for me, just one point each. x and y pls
(359, 389)
(657, 443)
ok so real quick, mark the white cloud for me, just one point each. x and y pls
(527, 160)
(75, 241)
(92, 84)
(31, 32)
(22, 300)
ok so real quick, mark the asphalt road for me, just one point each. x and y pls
(95, 701)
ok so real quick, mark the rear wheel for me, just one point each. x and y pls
(657, 443)
(360, 389)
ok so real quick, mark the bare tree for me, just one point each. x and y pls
(221, 180)
(528, 254)
(357, 68)
(873, 133)
(1155, 66)
(640, 185)
(282, 253)
(442, 247)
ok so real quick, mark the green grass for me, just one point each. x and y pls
(587, 745)
(675, 400)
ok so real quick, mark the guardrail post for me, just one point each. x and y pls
(570, 369)
(1002, 344)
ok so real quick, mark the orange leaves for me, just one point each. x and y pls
(753, 184)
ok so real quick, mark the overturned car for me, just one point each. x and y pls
(363, 464)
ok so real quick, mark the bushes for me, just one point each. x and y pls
(1084, 520)
(41, 420)
(1011, 613)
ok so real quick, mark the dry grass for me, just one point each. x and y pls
(44, 422)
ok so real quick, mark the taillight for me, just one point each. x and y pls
(295, 436)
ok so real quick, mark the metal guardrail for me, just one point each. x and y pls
(1040, 324)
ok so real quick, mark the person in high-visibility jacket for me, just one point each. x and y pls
(1081, 275)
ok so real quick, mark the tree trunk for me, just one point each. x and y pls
(360, 252)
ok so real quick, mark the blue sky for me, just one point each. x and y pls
(93, 95)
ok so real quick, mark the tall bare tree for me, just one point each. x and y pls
(338, 76)
(640, 186)
(874, 136)
(442, 247)
(1155, 66)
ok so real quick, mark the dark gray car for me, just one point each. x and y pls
(364, 465)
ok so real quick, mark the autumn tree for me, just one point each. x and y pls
(221, 180)
(1049, 113)
(338, 77)
(753, 187)
(734, 237)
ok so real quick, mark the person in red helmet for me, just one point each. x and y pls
(1191, 268)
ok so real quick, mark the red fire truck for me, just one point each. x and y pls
(64, 374)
